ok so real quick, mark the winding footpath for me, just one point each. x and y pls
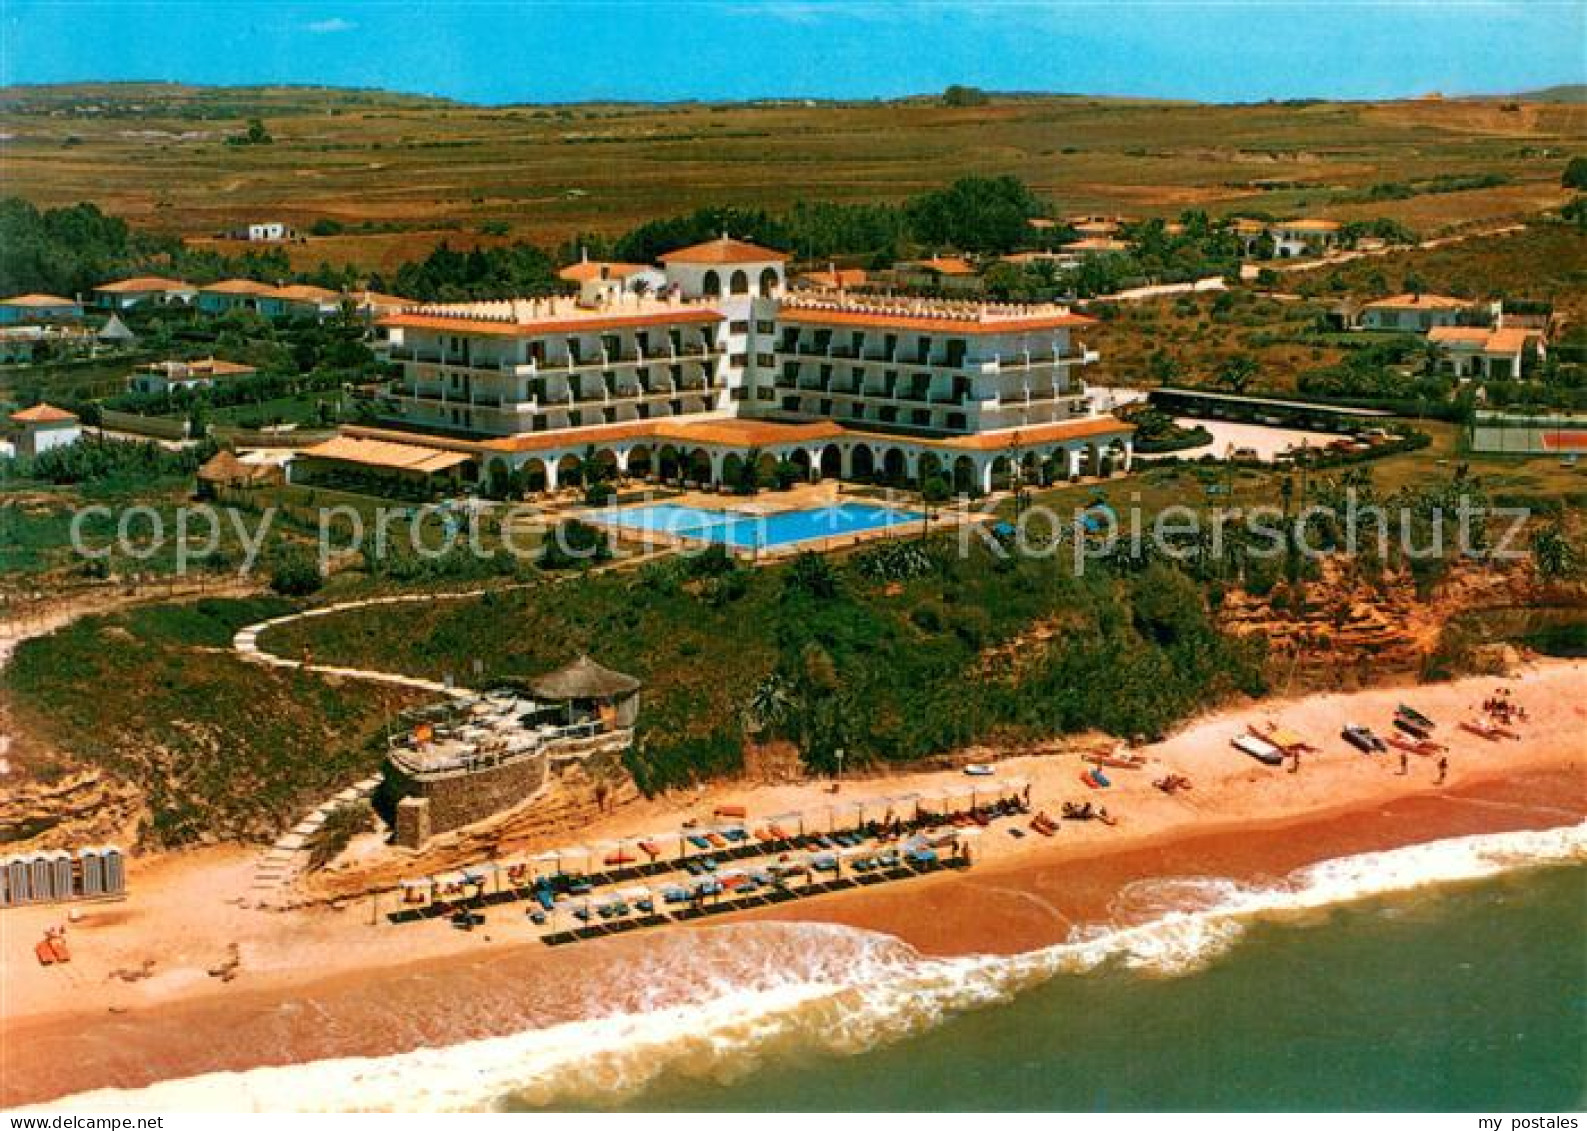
(288, 857)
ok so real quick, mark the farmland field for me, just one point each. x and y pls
(401, 173)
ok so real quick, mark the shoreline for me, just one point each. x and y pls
(319, 982)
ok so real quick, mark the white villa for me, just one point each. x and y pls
(36, 430)
(1419, 313)
(1480, 351)
(144, 290)
(163, 376)
(721, 360)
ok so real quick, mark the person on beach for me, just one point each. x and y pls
(1405, 764)
(1294, 764)
(1443, 770)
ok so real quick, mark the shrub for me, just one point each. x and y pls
(295, 574)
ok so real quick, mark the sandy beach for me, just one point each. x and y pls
(186, 977)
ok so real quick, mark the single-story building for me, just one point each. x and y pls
(356, 458)
(164, 376)
(1295, 239)
(300, 300)
(23, 345)
(144, 290)
(38, 308)
(1095, 245)
(267, 231)
(1477, 351)
(1417, 313)
(234, 294)
(943, 272)
(226, 473)
(38, 429)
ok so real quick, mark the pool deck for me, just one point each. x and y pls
(803, 496)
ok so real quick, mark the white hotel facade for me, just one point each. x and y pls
(712, 357)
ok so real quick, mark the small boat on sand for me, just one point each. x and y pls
(1412, 727)
(1259, 748)
(1411, 714)
(1362, 738)
(1425, 747)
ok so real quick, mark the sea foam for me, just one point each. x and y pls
(835, 990)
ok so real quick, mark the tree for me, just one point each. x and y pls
(1238, 373)
(975, 214)
(294, 574)
(960, 96)
(1554, 556)
(1575, 175)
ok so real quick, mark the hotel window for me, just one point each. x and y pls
(765, 395)
(738, 327)
(738, 360)
(764, 327)
(765, 360)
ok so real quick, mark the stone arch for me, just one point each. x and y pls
(570, 471)
(641, 462)
(738, 282)
(733, 470)
(535, 475)
(497, 473)
(1113, 458)
(831, 462)
(1002, 473)
(669, 463)
(606, 464)
(964, 478)
(697, 466)
(1093, 459)
(801, 459)
(770, 280)
(711, 284)
(1030, 469)
(862, 462)
(895, 467)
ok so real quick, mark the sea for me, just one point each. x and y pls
(1450, 975)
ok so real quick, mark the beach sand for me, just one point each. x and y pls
(321, 982)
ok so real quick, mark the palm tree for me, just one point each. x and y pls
(770, 705)
(1238, 373)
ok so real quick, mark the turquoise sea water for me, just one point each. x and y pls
(748, 531)
(1471, 997)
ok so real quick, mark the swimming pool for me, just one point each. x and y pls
(743, 531)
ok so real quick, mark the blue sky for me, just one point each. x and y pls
(524, 50)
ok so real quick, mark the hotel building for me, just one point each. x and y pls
(718, 359)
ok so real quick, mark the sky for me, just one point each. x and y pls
(495, 51)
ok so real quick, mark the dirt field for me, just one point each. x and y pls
(157, 155)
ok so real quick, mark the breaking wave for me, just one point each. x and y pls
(834, 990)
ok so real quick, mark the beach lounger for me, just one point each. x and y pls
(699, 842)
(731, 811)
(650, 848)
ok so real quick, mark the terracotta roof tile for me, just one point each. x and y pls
(724, 249)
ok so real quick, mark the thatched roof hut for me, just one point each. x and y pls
(583, 679)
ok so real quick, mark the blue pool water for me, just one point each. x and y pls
(744, 531)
